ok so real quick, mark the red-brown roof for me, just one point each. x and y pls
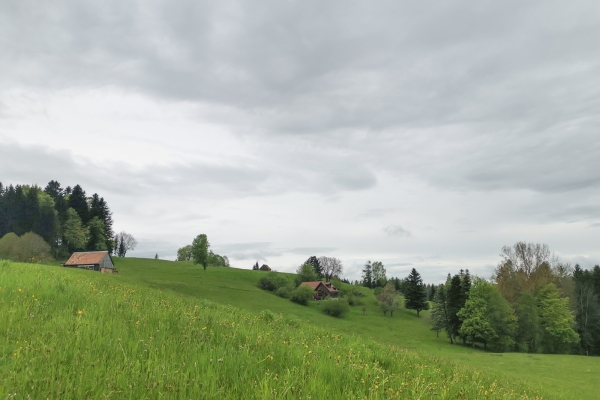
(86, 258)
(311, 284)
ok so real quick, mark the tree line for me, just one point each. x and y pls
(65, 219)
(533, 304)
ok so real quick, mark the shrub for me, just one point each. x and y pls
(7, 245)
(266, 284)
(353, 300)
(273, 281)
(31, 247)
(285, 292)
(335, 307)
(302, 294)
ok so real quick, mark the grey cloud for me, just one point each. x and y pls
(396, 231)
(373, 213)
(240, 247)
(311, 251)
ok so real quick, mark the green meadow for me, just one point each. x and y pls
(163, 329)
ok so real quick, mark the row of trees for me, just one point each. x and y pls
(317, 268)
(65, 218)
(414, 291)
(530, 306)
(200, 253)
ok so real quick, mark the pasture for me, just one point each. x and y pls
(161, 329)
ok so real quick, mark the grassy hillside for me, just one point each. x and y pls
(560, 376)
(77, 334)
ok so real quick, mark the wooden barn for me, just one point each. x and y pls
(93, 260)
(265, 267)
(322, 289)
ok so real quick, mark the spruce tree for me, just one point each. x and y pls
(78, 202)
(415, 297)
(454, 304)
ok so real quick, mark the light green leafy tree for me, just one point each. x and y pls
(305, 273)
(487, 317)
(388, 300)
(379, 274)
(74, 232)
(184, 253)
(556, 319)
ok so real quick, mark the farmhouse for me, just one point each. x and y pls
(322, 289)
(265, 267)
(94, 260)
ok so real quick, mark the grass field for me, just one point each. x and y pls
(149, 332)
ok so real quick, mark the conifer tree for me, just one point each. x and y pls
(314, 261)
(78, 202)
(415, 297)
(454, 304)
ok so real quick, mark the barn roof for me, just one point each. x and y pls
(86, 257)
(315, 285)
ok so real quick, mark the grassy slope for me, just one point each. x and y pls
(76, 334)
(561, 376)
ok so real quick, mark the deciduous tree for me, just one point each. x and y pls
(200, 247)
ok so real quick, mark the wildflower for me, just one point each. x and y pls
(79, 312)
(20, 290)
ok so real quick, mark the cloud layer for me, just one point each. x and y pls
(385, 130)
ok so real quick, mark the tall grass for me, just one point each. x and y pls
(76, 334)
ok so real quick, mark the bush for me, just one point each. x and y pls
(285, 292)
(302, 294)
(31, 247)
(335, 307)
(7, 245)
(353, 300)
(266, 284)
(273, 281)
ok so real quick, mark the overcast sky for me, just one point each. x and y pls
(421, 134)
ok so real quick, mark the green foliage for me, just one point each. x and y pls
(302, 295)
(487, 317)
(274, 281)
(316, 265)
(367, 275)
(7, 245)
(529, 331)
(184, 253)
(556, 320)
(388, 300)
(30, 247)
(96, 240)
(440, 314)
(379, 278)
(200, 247)
(74, 232)
(284, 291)
(305, 273)
(415, 297)
(334, 307)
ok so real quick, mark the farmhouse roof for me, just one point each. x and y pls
(86, 258)
(313, 285)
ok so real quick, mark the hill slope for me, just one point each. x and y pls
(561, 376)
(69, 333)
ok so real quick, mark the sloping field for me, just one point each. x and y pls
(76, 334)
(560, 376)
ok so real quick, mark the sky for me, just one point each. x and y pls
(424, 135)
